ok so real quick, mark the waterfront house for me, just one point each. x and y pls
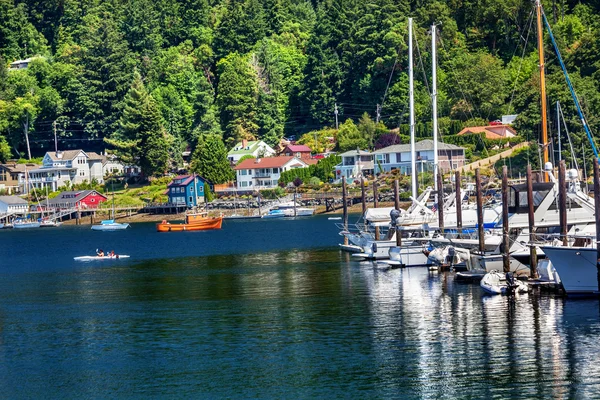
(398, 156)
(264, 173)
(494, 132)
(186, 189)
(255, 149)
(13, 205)
(67, 168)
(300, 151)
(12, 177)
(82, 199)
(105, 165)
(354, 164)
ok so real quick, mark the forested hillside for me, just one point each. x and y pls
(149, 77)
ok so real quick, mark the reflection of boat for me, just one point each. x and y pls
(275, 213)
(110, 225)
(93, 258)
(25, 223)
(193, 222)
(496, 283)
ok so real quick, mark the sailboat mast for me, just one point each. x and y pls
(538, 7)
(411, 97)
(434, 111)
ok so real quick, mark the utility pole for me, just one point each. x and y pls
(336, 117)
(378, 113)
(26, 131)
(55, 142)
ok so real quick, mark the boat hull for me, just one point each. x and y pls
(576, 267)
(26, 225)
(197, 224)
(110, 227)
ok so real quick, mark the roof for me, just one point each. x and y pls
(186, 180)
(268, 162)
(72, 196)
(355, 153)
(239, 149)
(95, 156)
(14, 200)
(311, 161)
(491, 131)
(14, 167)
(66, 155)
(298, 148)
(423, 145)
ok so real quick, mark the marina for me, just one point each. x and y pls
(289, 316)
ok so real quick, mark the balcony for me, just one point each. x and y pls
(43, 179)
(262, 175)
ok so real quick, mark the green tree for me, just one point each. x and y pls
(4, 150)
(350, 138)
(210, 160)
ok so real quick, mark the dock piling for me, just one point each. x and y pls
(479, 197)
(375, 204)
(458, 202)
(562, 201)
(440, 202)
(532, 249)
(363, 198)
(505, 242)
(397, 207)
(345, 208)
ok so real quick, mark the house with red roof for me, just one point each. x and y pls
(186, 189)
(82, 199)
(501, 131)
(300, 151)
(264, 173)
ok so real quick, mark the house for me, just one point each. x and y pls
(12, 177)
(82, 199)
(68, 167)
(300, 151)
(13, 205)
(354, 164)
(186, 189)
(502, 131)
(21, 64)
(252, 148)
(264, 173)
(398, 156)
(108, 165)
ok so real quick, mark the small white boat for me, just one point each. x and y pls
(334, 218)
(496, 283)
(46, 223)
(110, 225)
(275, 213)
(25, 224)
(94, 258)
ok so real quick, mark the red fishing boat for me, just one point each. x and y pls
(193, 222)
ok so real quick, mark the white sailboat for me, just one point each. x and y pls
(110, 224)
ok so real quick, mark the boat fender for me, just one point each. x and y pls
(374, 247)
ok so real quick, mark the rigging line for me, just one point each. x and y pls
(574, 159)
(460, 86)
(421, 63)
(387, 87)
(512, 96)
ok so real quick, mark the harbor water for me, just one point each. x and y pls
(270, 309)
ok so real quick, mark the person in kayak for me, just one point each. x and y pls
(100, 253)
(112, 253)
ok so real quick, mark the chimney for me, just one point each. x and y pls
(257, 161)
(244, 143)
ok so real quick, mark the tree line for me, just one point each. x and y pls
(151, 78)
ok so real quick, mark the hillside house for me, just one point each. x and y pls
(398, 156)
(354, 164)
(256, 149)
(13, 205)
(297, 150)
(264, 173)
(186, 189)
(12, 177)
(82, 199)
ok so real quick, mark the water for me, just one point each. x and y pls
(270, 309)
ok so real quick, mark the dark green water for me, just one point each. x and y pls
(270, 309)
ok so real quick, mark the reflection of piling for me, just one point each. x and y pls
(479, 196)
(532, 249)
(397, 207)
(440, 202)
(597, 213)
(505, 243)
(458, 203)
(562, 201)
(375, 204)
(345, 208)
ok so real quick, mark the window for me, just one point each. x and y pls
(191, 189)
(244, 172)
(191, 199)
(201, 189)
(2, 175)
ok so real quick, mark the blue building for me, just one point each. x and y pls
(186, 189)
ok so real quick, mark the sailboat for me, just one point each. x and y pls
(47, 222)
(110, 224)
(24, 223)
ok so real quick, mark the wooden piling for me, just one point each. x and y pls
(397, 207)
(597, 214)
(562, 201)
(345, 208)
(375, 205)
(363, 195)
(440, 202)
(531, 215)
(505, 242)
(458, 202)
(479, 195)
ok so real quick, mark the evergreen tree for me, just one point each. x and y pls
(242, 25)
(18, 37)
(210, 160)
(350, 138)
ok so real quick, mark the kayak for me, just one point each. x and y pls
(93, 258)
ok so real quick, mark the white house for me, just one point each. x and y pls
(398, 156)
(264, 173)
(354, 163)
(256, 149)
(72, 166)
(13, 205)
(108, 165)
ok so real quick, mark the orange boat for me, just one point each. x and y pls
(193, 222)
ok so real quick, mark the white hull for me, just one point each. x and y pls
(98, 258)
(576, 267)
(26, 225)
(493, 262)
(407, 256)
(300, 212)
(495, 283)
(110, 227)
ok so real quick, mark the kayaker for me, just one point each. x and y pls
(100, 253)
(112, 253)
